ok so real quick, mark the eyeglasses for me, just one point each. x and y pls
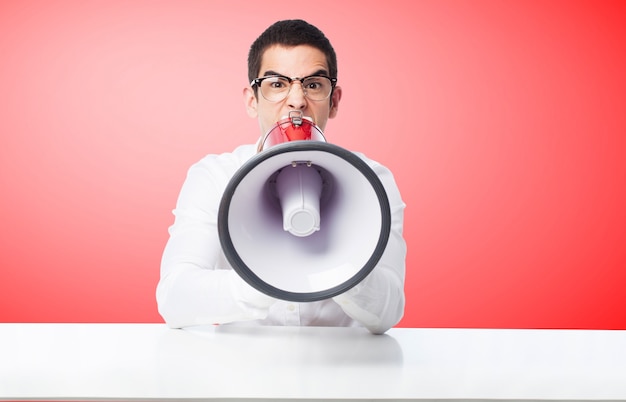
(275, 88)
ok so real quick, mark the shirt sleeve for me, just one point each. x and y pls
(197, 285)
(378, 301)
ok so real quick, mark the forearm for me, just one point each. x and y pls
(197, 284)
(190, 295)
(378, 301)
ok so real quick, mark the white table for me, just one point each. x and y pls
(234, 363)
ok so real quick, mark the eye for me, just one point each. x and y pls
(314, 84)
(276, 83)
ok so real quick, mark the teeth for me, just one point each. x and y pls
(304, 117)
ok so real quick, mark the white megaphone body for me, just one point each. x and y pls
(303, 220)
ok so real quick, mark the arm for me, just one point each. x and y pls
(377, 302)
(197, 285)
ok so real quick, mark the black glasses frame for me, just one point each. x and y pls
(258, 81)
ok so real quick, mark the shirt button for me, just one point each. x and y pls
(291, 307)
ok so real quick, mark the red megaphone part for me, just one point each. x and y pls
(292, 128)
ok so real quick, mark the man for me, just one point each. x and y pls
(197, 285)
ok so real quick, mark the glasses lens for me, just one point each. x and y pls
(275, 89)
(317, 88)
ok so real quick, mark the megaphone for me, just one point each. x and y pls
(303, 220)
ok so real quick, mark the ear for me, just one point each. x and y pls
(334, 102)
(250, 101)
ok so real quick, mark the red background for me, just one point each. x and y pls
(503, 122)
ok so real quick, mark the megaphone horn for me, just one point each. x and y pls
(304, 221)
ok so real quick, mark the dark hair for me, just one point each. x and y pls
(290, 33)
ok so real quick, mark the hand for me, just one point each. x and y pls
(249, 295)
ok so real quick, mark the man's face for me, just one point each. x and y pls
(298, 61)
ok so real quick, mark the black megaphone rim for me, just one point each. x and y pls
(247, 274)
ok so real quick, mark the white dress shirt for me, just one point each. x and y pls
(198, 286)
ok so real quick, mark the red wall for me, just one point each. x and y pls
(504, 122)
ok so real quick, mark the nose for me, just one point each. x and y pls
(296, 99)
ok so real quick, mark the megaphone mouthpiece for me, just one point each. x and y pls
(296, 117)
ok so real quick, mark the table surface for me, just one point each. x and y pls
(237, 363)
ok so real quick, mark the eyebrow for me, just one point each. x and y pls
(321, 71)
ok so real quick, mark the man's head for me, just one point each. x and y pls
(292, 49)
(290, 33)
